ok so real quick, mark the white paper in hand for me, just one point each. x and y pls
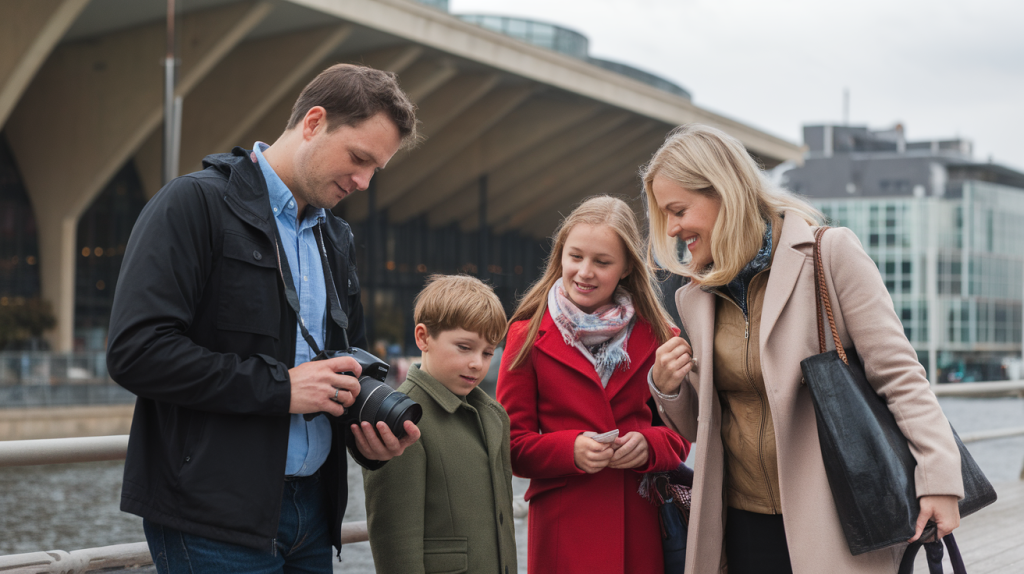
(607, 437)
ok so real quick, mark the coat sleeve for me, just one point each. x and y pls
(890, 362)
(665, 449)
(534, 454)
(395, 506)
(679, 411)
(165, 269)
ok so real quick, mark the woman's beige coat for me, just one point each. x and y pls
(788, 334)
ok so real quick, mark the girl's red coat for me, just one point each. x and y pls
(582, 522)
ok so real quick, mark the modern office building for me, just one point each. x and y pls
(517, 133)
(947, 234)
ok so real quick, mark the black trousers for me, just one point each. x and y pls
(756, 543)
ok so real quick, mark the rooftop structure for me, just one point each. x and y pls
(946, 233)
(516, 135)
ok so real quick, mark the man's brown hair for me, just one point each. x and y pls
(352, 94)
(450, 302)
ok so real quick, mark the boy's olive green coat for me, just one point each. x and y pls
(445, 505)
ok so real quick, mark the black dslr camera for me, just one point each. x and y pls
(376, 401)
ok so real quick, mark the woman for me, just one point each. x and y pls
(575, 365)
(761, 500)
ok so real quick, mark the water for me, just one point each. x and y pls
(74, 506)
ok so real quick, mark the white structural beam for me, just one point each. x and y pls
(435, 113)
(28, 33)
(554, 178)
(446, 33)
(527, 166)
(103, 97)
(592, 181)
(421, 80)
(245, 85)
(536, 121)
(462, 131)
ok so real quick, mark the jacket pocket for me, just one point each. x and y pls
(445, 555)
(193, 435)
(248, 294)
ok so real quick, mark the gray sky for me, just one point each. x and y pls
(943, 68)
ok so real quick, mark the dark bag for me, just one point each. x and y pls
(867, 459)
(933, 551)
(671, 492)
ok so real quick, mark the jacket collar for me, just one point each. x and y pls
(246, 192)
(641, 343)
(793, 252)
(446, 399)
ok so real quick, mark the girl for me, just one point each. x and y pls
(575, 364)
(751, 315)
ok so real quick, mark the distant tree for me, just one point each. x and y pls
(23, 320)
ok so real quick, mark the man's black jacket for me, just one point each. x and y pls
(202, 333)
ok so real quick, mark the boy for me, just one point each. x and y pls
(446, 504)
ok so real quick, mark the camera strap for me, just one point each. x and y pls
(334, 309)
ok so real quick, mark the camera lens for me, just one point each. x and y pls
(377, 402)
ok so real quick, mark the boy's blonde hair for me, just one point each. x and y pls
(710, 162)
(598, 210)
(449, 302)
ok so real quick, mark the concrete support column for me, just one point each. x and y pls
(28, 33)
(89, 107)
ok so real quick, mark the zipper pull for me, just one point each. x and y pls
(746, 332)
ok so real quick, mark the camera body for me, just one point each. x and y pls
(376, 400)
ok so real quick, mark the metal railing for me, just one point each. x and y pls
(980, 389)
(47, 368)
(120, 556)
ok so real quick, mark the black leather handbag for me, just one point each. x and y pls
(867, 459)
(670, 491)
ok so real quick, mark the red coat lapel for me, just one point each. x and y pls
(550, 342)
(641, 344)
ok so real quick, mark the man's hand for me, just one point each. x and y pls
(672, 362)
(385, 446)
(317, 386)
(630, 451)
(591, 456)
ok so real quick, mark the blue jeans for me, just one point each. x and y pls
(303, 541)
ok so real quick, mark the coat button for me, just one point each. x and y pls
(257, 255)
(661, 407)
(188, 458)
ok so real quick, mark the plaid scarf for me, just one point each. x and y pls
(602, 335)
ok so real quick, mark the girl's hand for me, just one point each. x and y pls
(591, 456)
(943, 510)
(630, 451)
(672, 362)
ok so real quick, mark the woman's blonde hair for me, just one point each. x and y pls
(599, 210)
(712, 163)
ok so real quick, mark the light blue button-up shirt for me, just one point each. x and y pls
(309, 442)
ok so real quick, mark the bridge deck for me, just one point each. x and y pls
(991, 541)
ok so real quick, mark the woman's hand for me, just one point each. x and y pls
(591, 456)
(943, 510)
(672, 362)
(630, 451)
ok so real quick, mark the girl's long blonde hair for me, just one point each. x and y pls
(599, 210)
(710, 162)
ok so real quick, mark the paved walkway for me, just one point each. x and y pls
(992, 540)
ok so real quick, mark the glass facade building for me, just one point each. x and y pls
(952, 259)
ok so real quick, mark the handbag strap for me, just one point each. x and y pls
(933, 552)
(821, 291)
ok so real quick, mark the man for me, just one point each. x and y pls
(225, 470)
